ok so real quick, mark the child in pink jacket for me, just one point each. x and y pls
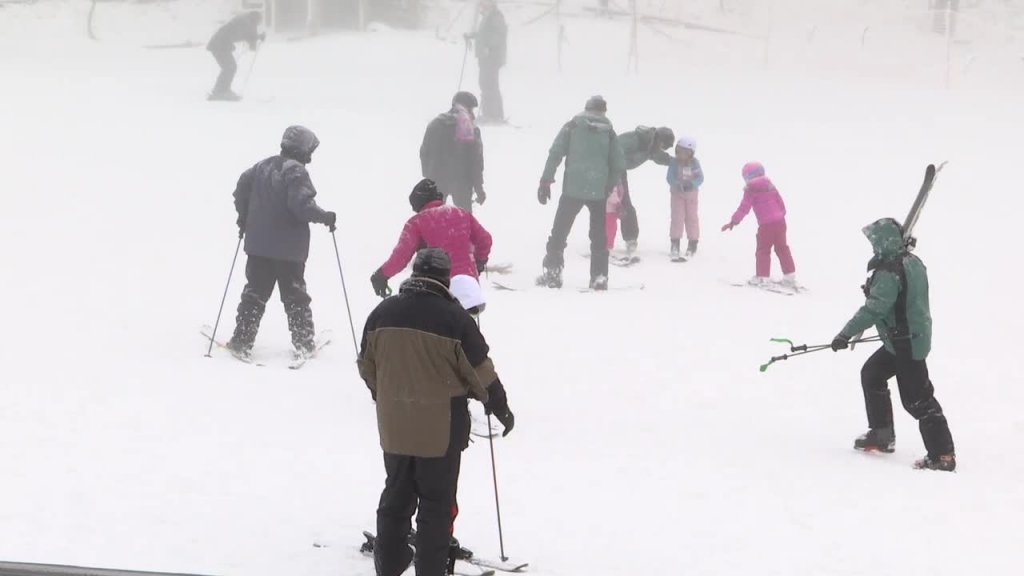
(613, 210)
(770, 211)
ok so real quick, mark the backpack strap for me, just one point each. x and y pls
(900, 334)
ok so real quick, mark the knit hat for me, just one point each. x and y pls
(299, 142)
(752, 170)
(433, 263)
(687, 143)
(664, 137)
(424, 193)
(467, 290)
(466, 99)
(596, 104)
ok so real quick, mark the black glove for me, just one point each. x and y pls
(481, 266)
(840, 342)
(262, 36)
(241, 227)
(330, 219)
(380, 284)
(507, 419)
(481, 196)
(544, 192)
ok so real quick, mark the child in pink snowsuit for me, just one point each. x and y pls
(770, 211)
(684, 179)
(613, 209)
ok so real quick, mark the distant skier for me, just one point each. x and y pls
(491, 51)
(769, 209)
(436, 225)
(275, 201)
(639, 146)
(423, 357)
(685, 178)
(241, 28)
(452, 153)
(897, 306)
(594, 164)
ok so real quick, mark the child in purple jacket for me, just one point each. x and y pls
(770, 211)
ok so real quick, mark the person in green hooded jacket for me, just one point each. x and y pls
(643, 144)
(897, 306)
(594, 164)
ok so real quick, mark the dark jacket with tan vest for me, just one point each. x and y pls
(422, 358)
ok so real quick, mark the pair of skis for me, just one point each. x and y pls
(298, 359)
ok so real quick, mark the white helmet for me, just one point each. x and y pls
(467, 291)
(688, 143)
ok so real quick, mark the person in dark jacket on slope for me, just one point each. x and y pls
(436, 225)
(241, 28)
(423, 358)
(643, 144)
(452, 153)
(275, 201)
(491, 51)
(897, 306)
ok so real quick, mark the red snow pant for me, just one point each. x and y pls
(773, 235)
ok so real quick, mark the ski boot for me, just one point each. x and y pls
(630, 248)
(552, 278)
(876, 440)
(691, 249)
(759, 281)
(456, 551)
(599, 283)
(674, 250)
(789, 281)
(944, 463)
(239, 350)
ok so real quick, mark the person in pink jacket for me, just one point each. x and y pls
(613, 210)
(436, 225)
(770, 211)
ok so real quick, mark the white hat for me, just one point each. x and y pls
(688, 143)
(467, 290)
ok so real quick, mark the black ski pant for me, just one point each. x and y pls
(492, 105)
(630, 224)
(916, 392)
(462, 197)
(565, 216)
(228, 67)
(430, 483)
(261, 274)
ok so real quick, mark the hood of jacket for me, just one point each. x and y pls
(886, 237)
(594, 121)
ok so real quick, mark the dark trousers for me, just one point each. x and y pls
(430, 483)
(228, 67)
(462, 197)
(261, 274)
(492, 106)
(565, 216)
(916, 392)
(630, 224)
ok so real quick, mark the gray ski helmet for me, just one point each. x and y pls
(596, 103)
(300, 141)
(433, 263)
(424, 193)
(466, 99)
(664, 138)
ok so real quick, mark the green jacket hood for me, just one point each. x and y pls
(593, 120)
(886, 237)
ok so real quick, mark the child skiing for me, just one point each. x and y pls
(684, 178)
(769, 209)
(613, 211)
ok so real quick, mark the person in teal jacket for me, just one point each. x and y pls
(897, 306)
(594, 164)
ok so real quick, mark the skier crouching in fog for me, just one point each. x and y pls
(897, 305)
(436, 224)
(275, 201)
(423, 357)
(643, 144)
(241, 28)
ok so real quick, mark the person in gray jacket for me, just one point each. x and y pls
(275, 204)
(241, 28)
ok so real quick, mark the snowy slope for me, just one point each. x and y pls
(646, 438)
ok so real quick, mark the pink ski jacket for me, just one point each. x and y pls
(761, 195)
(450, 228)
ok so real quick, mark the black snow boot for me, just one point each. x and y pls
(691, 249)
(599, 283)
(876, 440)
(552, 278)
(674, 249)
(944, 463)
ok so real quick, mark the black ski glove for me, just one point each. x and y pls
(497, 404)
(544, 192)
(263, 36)
(507, 419)
(481, 266)
(330, 219)
(840, 342)
(241, 227)
(380, 284)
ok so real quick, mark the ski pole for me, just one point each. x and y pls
(252, 65)
(351, 325)
(497, 505)
(801, 349)
(462, 72)
(224, 297)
